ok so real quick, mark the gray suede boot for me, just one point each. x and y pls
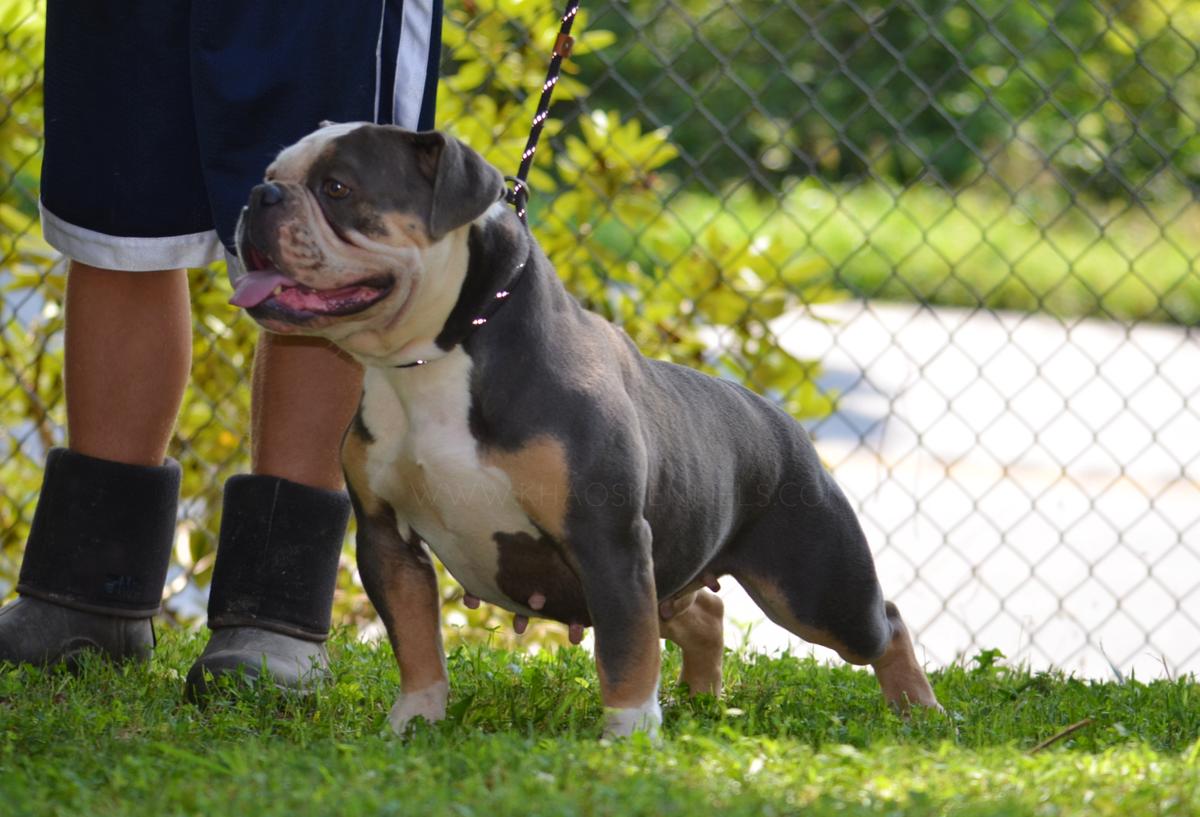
(95, 563)
(272, 587)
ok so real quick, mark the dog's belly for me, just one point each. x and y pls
(425, 463)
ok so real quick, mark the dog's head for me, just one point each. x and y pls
(355, 235)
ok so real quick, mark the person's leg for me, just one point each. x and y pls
(102, 534)
(305, 394)
(128, 355)
(282, 526)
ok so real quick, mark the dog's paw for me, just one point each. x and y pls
(621, 723)
(428, 703)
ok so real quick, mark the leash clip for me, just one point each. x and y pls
(519, 187)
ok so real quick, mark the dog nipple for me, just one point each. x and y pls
(537, 601)
(666, 609)
(520, 623)
(712, 584)
(575, 633)
(470, 602)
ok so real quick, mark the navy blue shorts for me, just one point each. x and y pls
(162, 114)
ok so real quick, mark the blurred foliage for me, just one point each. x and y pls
(597, 210)
(1105, 96)
(31, 409)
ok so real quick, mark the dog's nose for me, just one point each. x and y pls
(266, 194)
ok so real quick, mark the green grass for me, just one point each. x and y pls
(791, 736)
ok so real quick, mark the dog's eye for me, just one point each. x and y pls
(335, 189)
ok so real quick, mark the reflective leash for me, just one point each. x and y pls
(519, 194)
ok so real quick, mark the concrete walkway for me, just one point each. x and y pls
(1026, 484)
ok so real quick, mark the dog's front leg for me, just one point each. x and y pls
(400, 581)
(618, 580)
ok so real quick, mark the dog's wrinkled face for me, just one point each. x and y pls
(355, 235)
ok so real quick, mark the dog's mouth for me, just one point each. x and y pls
(264, 287)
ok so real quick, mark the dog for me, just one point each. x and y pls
(525, 441)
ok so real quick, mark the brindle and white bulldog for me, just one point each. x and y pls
(553, 470)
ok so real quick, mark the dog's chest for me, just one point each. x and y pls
(426, 464)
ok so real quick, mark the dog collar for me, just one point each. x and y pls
(499, 299)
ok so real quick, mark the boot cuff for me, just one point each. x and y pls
(102, 534)
(278, 556)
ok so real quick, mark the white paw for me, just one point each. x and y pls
(428, 703)
(621, 723)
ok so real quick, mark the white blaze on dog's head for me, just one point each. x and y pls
(294, 161)
(359, 235)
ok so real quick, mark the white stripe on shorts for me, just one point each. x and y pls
(379, 57)
(412, 62)
(129, 253)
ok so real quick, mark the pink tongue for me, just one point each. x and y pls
(255, 287)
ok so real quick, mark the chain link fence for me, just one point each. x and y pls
(958, 239)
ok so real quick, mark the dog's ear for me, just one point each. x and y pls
(465, 185)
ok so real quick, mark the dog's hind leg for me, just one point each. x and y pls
(872, 634)
(696, 623)
(806, 563)
(900, 675)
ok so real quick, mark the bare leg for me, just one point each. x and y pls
(305, 394)
(128, 356)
